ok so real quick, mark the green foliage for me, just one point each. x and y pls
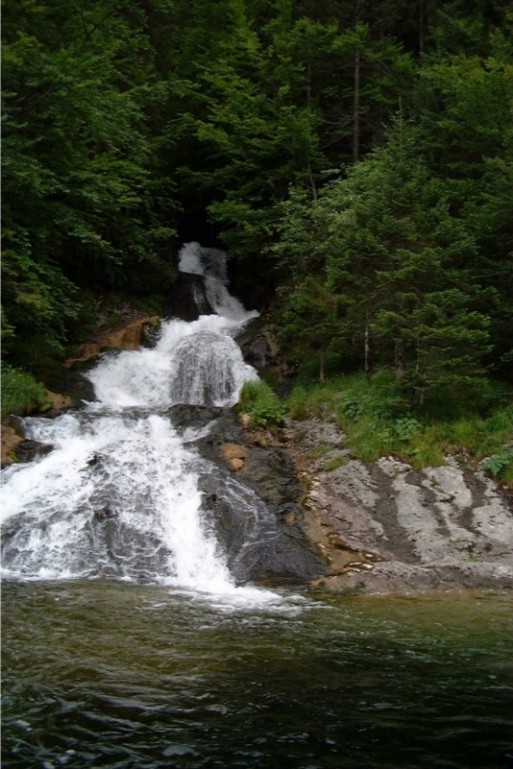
(500, 465)
(308, 320)
(351, 409)
(21, 394)
(404, 429)
(396, 278)
(334, 464)
(379, 422)
(81, 209)
(259, 401)
(371, 184)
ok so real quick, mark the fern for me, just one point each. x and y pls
(498, 463)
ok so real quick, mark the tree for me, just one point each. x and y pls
(308, 321)
(78, 198)
(400, 266)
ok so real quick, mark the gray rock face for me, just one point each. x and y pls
(251, 498)
(384, 527)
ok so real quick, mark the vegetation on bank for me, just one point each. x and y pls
(378, 421)
(261, 404)
(21, 394)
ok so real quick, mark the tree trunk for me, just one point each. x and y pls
(421, 26)
(356, 106)
(420, 388)
(313, 186)
(322, 377)
(399, 358)
(366, 349)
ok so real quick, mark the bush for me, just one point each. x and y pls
(21, 394)
(260, 402)
(500, 465)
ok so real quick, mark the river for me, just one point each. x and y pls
(103, 673)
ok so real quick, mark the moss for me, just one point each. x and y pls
(334, 464)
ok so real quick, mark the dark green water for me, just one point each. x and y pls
(102, 674)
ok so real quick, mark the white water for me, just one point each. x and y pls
(118, 494)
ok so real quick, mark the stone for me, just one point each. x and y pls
(384, 528)
(10, 440)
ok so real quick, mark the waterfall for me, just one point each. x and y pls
(119, 493)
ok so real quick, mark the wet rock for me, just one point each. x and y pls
(28, 450)
(103, 514)
(187, 298)
(251, 499)
(94, 460)
(192, 417)
(259, 346)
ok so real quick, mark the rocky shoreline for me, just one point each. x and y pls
(386, 528)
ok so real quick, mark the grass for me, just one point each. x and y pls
(379, 422)
(21, 394)
(334, 464)
(259, 401)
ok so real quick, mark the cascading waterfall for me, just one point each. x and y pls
(118, 494)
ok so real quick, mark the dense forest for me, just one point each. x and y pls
(355, 158)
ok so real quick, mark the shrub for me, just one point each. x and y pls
(500, 465)
(260, 402)
(21, 394)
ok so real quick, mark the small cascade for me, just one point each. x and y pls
(120, 493)
(206, 370)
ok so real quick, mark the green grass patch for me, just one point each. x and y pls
(21, 394)
(379, 422)
(259, 401)
(334, 464)
(320, 451)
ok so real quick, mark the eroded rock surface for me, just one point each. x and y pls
(251, 496)
(384, 527)
(127, 336)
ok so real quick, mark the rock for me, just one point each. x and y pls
(58, 401)
(27, 450)
(103, 513)
(251, 498)
(187, 299)
(127, 336)
(383, 527)
(10, 440)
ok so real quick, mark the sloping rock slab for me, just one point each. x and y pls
(384, 527)
(252, 498)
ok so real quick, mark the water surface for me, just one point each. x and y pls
(109, 674)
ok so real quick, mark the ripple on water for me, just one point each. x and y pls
(115, 675)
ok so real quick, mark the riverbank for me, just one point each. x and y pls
(385, 527)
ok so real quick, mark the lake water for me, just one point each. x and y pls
(102, 673)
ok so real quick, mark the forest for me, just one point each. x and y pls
(354, 158)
